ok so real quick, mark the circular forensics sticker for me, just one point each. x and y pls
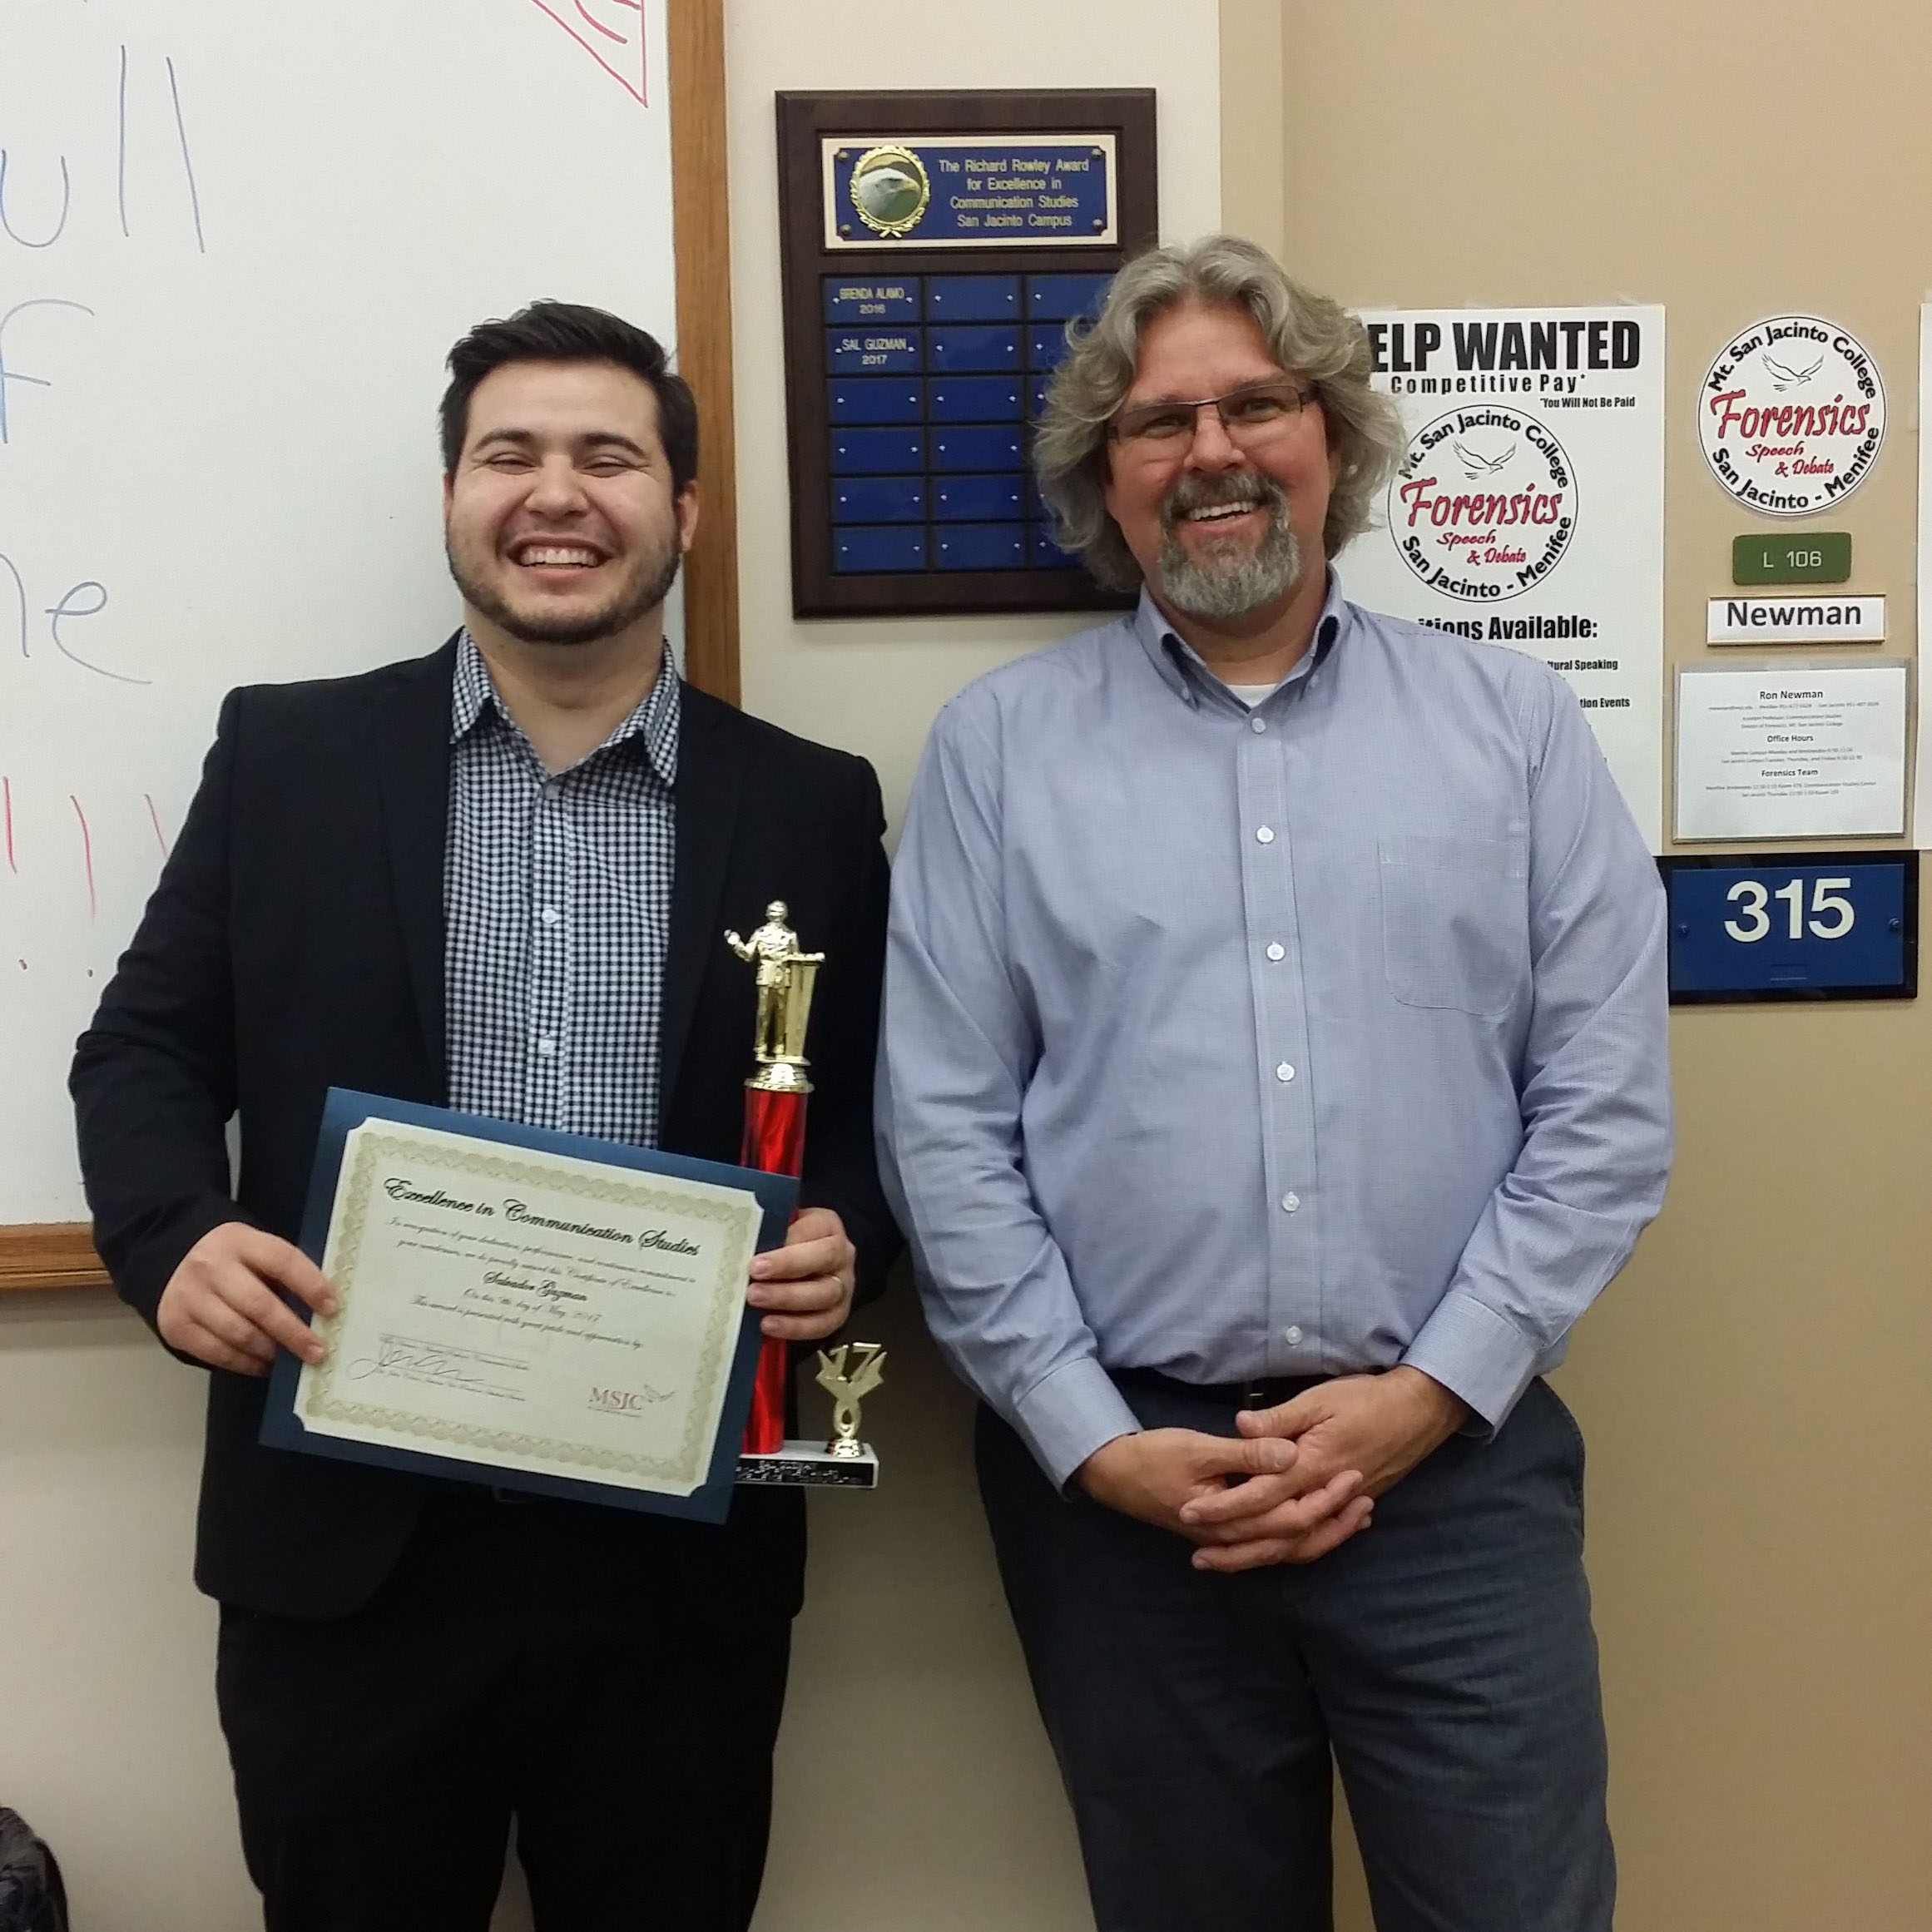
(1483, 504)
(1791, 415)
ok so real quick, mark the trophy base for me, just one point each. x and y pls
(810, 1465)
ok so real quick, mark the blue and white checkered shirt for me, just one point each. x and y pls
(556, 897)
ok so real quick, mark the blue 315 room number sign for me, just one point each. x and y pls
(1831, 925)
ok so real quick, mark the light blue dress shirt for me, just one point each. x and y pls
(1304, 1040)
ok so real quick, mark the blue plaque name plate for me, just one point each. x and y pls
(1834, 925)
(857, 299)
(969, 191)
(876, 352)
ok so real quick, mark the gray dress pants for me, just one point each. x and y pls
(1443, 1659)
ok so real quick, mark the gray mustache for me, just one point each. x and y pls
(1210, 492)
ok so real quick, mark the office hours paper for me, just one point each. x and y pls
(1791, 750)
(1526, 509)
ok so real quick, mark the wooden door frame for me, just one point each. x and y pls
(700, 201)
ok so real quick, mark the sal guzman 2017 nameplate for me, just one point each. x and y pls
(937, 249)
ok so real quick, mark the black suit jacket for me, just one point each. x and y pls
(295, 943)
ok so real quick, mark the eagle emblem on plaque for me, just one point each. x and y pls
(890, 190)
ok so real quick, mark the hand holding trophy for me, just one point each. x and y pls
(774, 1122)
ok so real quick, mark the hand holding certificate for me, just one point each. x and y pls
(529, 1308)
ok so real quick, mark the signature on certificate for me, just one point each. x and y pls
(420, 1361)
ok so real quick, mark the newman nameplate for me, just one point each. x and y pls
(1800, 620)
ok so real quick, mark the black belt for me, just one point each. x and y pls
(1257, 1392)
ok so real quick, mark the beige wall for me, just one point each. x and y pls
(915, 1790)
(873, 685)
(1754, 1387)
(108, 1741)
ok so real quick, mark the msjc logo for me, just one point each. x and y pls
(616, 1401)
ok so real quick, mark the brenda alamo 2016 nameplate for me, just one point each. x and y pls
(529, 1311)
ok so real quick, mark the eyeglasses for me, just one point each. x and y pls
(1249, 414)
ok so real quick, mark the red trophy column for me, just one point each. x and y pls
(774, 1118)
(774, 1143)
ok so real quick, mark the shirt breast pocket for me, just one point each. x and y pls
(1455, 922)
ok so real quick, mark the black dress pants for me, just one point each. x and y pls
(1443, 1659)
(528, 1662)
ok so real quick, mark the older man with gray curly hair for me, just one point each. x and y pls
(1274, 1070)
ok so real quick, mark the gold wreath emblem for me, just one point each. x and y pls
(890, 190)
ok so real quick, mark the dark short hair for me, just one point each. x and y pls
(569, 332)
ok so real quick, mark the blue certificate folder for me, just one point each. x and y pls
(777, 1194)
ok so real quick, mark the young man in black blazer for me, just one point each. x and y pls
(496, 878)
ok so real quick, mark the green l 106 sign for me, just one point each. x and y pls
(1817, 557)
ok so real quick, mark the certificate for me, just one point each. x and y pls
(528, 1308)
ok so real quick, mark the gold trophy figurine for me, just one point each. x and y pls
(849, 1382)
(785, 979)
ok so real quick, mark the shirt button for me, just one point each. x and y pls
(1284, 1073)
(550, 915)
(1291, 1202)
(1265, 835)
(1292, 1336)
(1257, 724)
(1277, 951)
(546, 1044)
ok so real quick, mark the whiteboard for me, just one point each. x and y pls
(236, 241)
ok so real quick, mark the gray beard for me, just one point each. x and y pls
(625, 608)
(1217, 586)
